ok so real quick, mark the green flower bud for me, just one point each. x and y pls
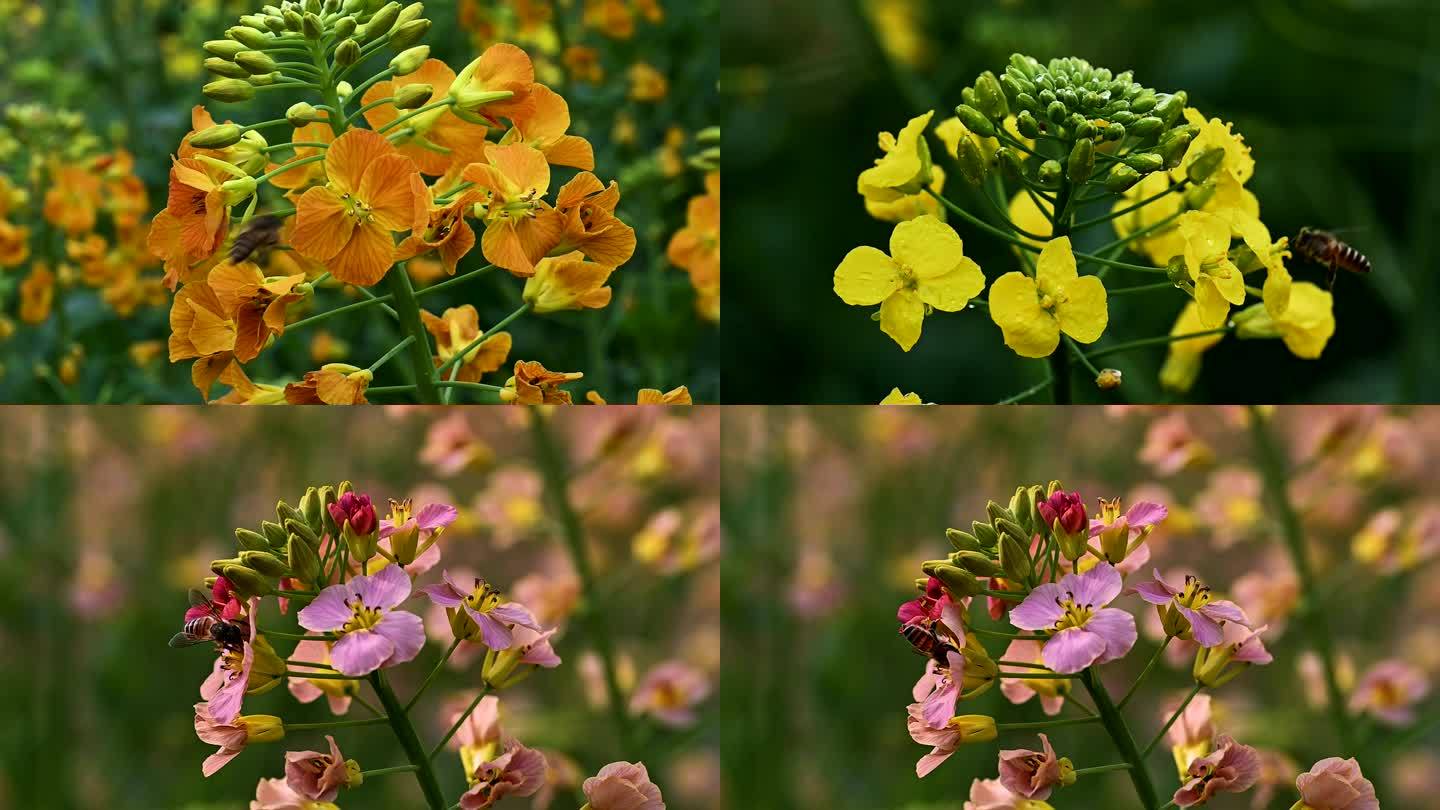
(409, 33)
(348, 53)
(255, 62)
(1085, 129)
(967, 96)
(256, 21)
(303, 529)
(1114, 132)
(275, 533)
(1050, 172)
(975, 121)
(1082, 161)
(238, 190)
(1014, 560)
(1067, 97)
(310, 508)
(1056, 112)
(1169, 107)
(996, 512)
(251, 541)
(312, 6)
(990, 97)
(977, 563)
(1205, 165)
(301, 114)
(1010, 87)
(1009, 162)
(1026, 65)
(284, 511)
(304, 561)
(1046, 96)
(381, 23)
(247, 581)
(1146, 127)
(972, 161)
(1010, 528)
(345, 27)
(328, 497)
(1121, 177)
(962, 541)
(266, 79)
(959, 582)
(1172, 149)
(225, 68)
(276, 23)
(229, 91)
(410, 14)
(409, 60)
(251, 38)
(1028, 102)
(1144, 102)
(224, 48)
(216, 137)
(312, 26)
(1144, 162)
(985, 533)
(265, 562)
(1026, 124)
(413, 96)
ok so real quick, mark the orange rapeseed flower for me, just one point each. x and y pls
(457, 329)
(591, 227)
(255, 303)
(442, 229)
(520, 228)
(545, 130)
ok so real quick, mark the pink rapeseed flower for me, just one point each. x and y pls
(623, 786)
(1207, 615)
(989, 794)
(481, 602)
(318, 776)
(520, 771)
(1192, 735)
(1389, 691)
(1052, 691)
(1116, 532)
(275, 794)
(1336, 784)
(1231, 768)
(372, 633)
(670, 692)
(1034, 774)
(1083, 630)
(225, 689)
(232, 737)
(410, 536)
(307, 690)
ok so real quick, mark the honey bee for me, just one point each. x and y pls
(927, 642)
(209, 627)
(1326, 249)
(258, 236)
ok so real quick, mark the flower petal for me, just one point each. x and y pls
(1117, 628)
(901, 316)
(385, 589)
(1040, 610)
(927, 246)
(406, 631)
(361, 652)
(1072, 650)
(952, 291)
(328, 611)
(866, 276)
(1015, 307)
(1095, 588)
(1085, 313)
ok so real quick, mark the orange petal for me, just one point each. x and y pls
(387, 189)
(351, 154)
(571, 150)
(322, 226)
(522, 165)
(365, 258)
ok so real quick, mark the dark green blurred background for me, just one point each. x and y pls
(1338, 99)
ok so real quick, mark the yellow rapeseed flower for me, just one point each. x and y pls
(1218, 282)
(911, 206)
(928, 268)
(1305, 326)
(1032, 312)
(897, 398)
(1182, 362)
(904, 168)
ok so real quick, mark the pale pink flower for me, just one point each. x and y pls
(1205, 615)
(1031, 774)
(373, 633)
(510, 506)
(231, 737)
(1052, 691)
(274, 794)
(1336, 784)
(451, 446)
(337, 692)
(481, 728)
(550, 591)
(939, 688)
(317, 776)
(410, 537)
(1389, 692)
(1086, 632)
(520, 771)
(481, 602)
(1193, 734)
(990, 794)
(225, 689)
(1171, 446)
(1230, 505)
(623, 786)
(670, 692)
(1312, 676)
(1231, 768)
(1269, 594)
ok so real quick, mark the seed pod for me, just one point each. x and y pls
(990, 97)
(1082, 161)
(975, 121)
(409, 33)
(962, 541)
(1205, 165)
(413, 96)
(348, 53)
(255, 62)
(410, 60)
(229, 91)
(251, 541)
(1050, 172)
(972, 162)
(1014, 561)
(1121, 178)
(1144, 162)
(977, 563)
(225, 68)
(303, 560)
(224, 48)
(265, 562)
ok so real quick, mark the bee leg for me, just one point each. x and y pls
(1331, 279)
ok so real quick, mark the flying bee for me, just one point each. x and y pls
(1326, 249)
(258, 236)
(927, 642)
(210, 626)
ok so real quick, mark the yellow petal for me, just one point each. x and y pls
(1206, 237)
(901, 316)
(1277, 290)
(1084, 314)
(1015, 307)
(1211, 306)
(1056, 265)
(927, 246)
(1309, 321)
(866, 277)
(952, 291)
(897, 398)
(1229, 281)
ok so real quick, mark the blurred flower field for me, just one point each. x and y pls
(1319, 527)
(601, 532)
(548, 230)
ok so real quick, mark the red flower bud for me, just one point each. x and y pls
(1067, 507)
(357, 510)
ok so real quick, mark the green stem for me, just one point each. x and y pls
(405, 733)
(372, 721)
(1157, 341)
(439, 665)
(1041, 676)
(385, 358)
(1171, 189)
(1022, 665)
(1176, 716)
(1114, 723)
(1271, 460)
(459, 721)
(1044, 724)
(448, 283)
(1031, 391)
(421, 363)
(444, 102)
(1144, 672)
(1012, 596)
(300, 636)
(997, 634)
(1140, 288)
(321, 676)
(387, 771)
(1118, 766)
(552, 462)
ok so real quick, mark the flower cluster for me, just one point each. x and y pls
(1057, 572)
(71, 217)
(386, 175)
(1069, 147)
(354, 575)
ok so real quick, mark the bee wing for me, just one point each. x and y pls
(183, 639)
(199, 599)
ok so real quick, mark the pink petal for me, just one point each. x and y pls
(361, 652)
(515, 613)
(443, 595)
(1097, 587)
(435, 516)
(218, 760)
(386, 589)
(1145, 513)
(1040, 610)
(931, 761)
(1156, 593)
(1225, 610)
(406, 631)
(1072, 650)
(495, 635)
(328, 611)
(1117, 628)
(1207, 633)
(425, 560)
